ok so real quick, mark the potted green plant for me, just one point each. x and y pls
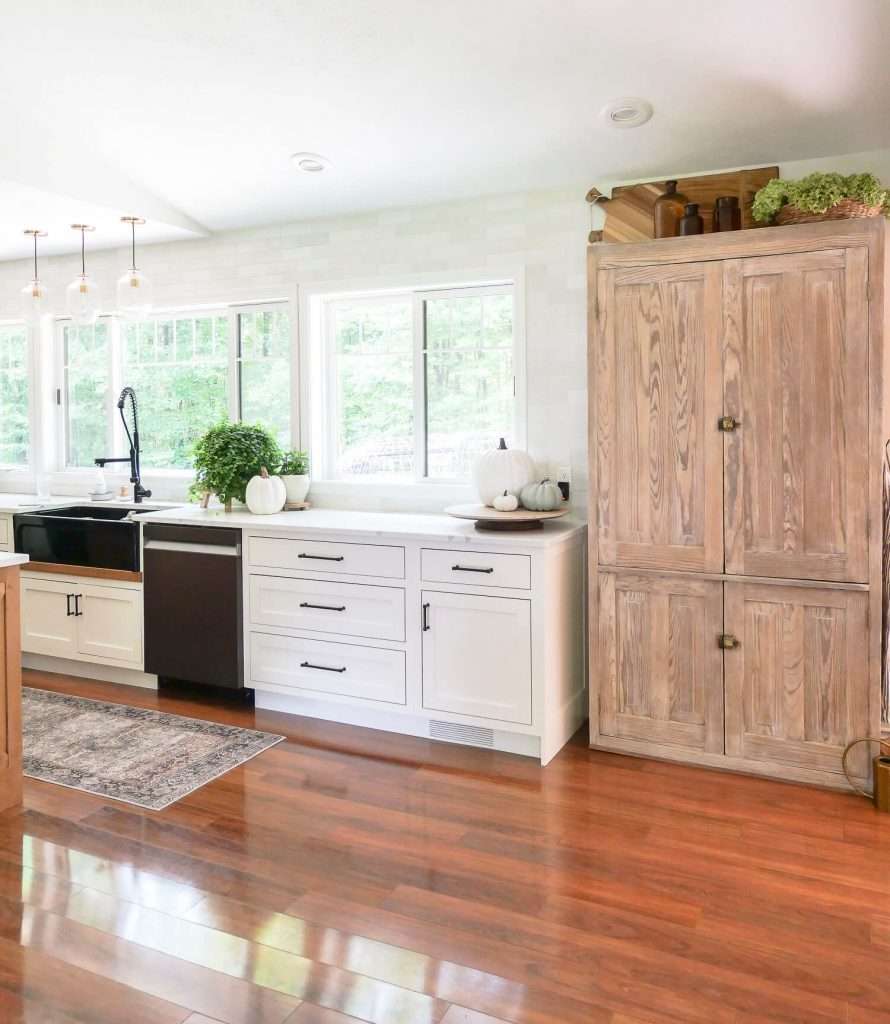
(228, 456)
(294, 472)
(821, 196)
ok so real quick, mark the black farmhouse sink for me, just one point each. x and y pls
(92, 535)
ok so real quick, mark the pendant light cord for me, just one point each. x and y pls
(83, 258)
(35, 255)
(133, 232)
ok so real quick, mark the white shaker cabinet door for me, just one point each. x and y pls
(477, 656)
(49, 625)
(110, 623)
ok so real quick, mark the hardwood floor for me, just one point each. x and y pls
(352, 876)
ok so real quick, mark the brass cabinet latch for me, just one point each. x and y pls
(728, 423)
(727, 642)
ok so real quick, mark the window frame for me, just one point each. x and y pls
(114, 430)
(28, 469)
(318, 401)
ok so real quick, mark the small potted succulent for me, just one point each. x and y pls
(294, 472)
(821, 197)
(228, 456)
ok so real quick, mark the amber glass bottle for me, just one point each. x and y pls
(727, 215)
(691, 222)
(668, 211)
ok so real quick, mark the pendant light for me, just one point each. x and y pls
(133, 288)
(35, 296)
(82, 295)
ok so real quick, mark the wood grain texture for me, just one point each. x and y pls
(801, 344)
(657, 404)
(796, 688)
(630, 211)
(660, 670)
(347, 875)
(87, 571)
(10, 689)
(796, 376)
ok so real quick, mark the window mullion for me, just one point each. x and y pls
(421, 454)
(233, 375)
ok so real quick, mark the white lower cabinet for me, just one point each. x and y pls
(477, 656)
(84, 621)
(48, 623)
(347, 670)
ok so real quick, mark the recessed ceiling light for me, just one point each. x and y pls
(311, 163)
(627, 112)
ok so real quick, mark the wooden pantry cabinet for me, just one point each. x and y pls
(737, 422)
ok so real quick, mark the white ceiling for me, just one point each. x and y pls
(187, 113)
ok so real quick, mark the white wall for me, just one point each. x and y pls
(544, 232)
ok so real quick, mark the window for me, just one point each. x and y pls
(178, 367)
(86, 371)
(416, 384)
(188, 369)
(15, 432)
(263, 354)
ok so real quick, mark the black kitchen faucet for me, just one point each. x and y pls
(139, 492)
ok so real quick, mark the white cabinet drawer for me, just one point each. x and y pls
(325, 556)
(328, 607)
(479, 568)
(345, 669)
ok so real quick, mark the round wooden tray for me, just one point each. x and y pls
(491, 519)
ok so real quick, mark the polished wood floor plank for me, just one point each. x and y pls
(147, 971)
(352, 876)
(33, 982)
(460, 1015)
(262, 965)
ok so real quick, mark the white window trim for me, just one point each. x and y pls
(314, 402)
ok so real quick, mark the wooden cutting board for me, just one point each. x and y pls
(629, 212)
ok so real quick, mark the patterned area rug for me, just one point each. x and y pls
(143, 757)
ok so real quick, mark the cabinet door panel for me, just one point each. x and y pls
(477, 656)
(660, 669)
(110, 623)
(47, 628)
(658, 398)
(796, 376)
(797, 686)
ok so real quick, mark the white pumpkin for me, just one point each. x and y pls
(503, 469)
(265, 495)
(506, 502)
(541, 497)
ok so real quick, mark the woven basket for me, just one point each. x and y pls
(846, 209)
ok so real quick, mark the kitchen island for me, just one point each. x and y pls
(10, 681)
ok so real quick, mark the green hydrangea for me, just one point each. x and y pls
(818, 192)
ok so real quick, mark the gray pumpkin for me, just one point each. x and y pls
(544, 496)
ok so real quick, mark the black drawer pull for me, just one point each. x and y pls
(324, 558)
(321, 668)
(68, 604)
(469, 568)
(324, 607)
(77, 600)
(425, 616)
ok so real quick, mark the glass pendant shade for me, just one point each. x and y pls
(35, 294)
(134, 294)
(134, 291)
(82, 300)
(35, 301)
(82, 295)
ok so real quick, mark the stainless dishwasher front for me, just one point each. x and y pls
(193, 604)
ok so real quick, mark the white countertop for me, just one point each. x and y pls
(378, 524)
(12, 503)
(8, 558)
